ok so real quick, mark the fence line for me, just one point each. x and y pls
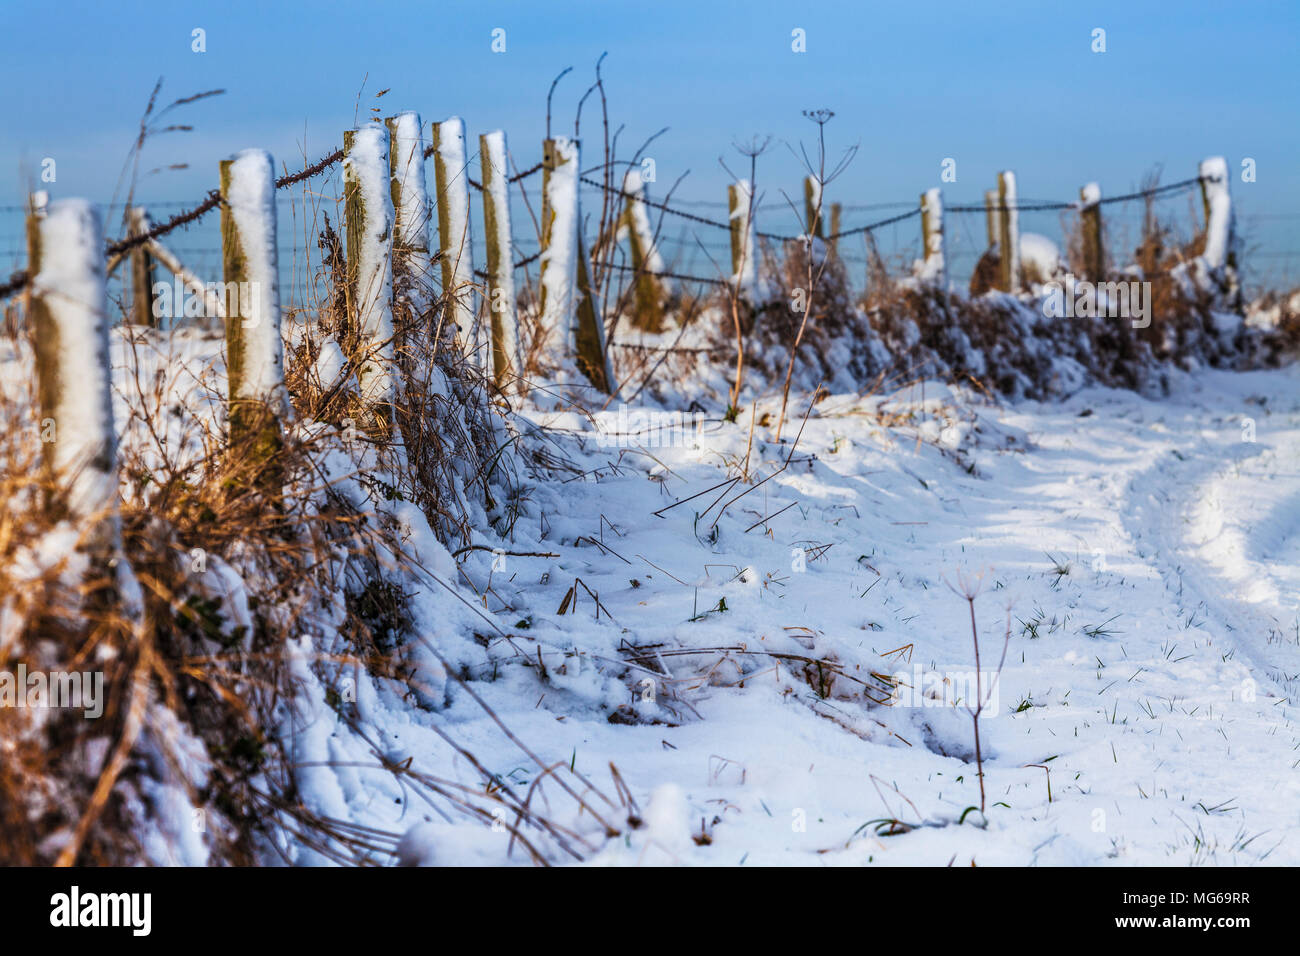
(20, 279)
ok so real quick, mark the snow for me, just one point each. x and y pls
(933, 266)
(1144, 552)
(1040, 258)
(251, 200)
(366, 168)
(456, 243)
(634, 186)
(745, 279)
(70, 282)
(1218, 235)
(1160, 587)
(1089, 196)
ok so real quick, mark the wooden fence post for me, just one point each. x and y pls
(451, 173)
(412, 260)
(649, 311)
(836, 210)
(1008, 232)
(69, 316)
(991, 216)
(507, 354)
(567, 306)
(256, 396)
(1219, 220)
(934, 267)
(812, 206)
(744, 250)
(142, 271)
(368, 207)
(1094, 259)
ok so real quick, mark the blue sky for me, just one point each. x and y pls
(991, 85)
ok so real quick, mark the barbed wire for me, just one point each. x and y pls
(875, 225)
(681, 277)
(18, 280)
(656, 205)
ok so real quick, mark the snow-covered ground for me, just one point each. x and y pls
(762, 665)
(1144, 553)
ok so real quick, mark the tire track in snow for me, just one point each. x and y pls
(1216, 522)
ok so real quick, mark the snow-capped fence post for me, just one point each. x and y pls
(991, 216)
(1008, 232)
(812, 206)
(142, 271)
(1219, 221)
(649, 303)
(368, 208)
(507, 356)
(934, 267)
(744, 250)
(257, 401)
(412, 259)
(451, 174)
(1094, 261)
(69, 316)
(567, 306)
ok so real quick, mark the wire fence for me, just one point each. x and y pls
(964, 245)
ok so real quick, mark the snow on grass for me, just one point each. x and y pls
(768, 662)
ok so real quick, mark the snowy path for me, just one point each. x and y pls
(1147, 554)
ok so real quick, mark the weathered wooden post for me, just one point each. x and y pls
(256, 396)
(812, 206)
(142, 270)
(649, 311)
(451, 176)
(836, 210)
(1094, 260)
(744, 250)
(934, 267)
(567, 307)
(412, 259)
(1008, 232)
(991, 216)
(1219, 219)
(69, 316)
(368, 207)
(507, 353)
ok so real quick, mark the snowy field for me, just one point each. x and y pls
(1142, 556)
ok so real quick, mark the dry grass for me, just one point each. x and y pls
(182, 664)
